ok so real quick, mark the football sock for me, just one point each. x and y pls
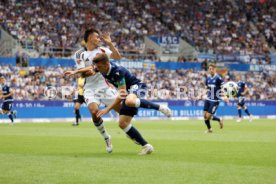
(11, 117)
(146, 104)
(247, 112)
(239, 111)
(207, 122)
(134, 134)
(77, 112)
(216, 118)
(100, 126)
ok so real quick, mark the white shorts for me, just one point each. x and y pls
(103, 95)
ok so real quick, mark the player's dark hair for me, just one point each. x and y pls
(102, 57)
(88, 32)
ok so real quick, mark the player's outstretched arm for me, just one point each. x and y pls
(115, 53)
(82, 70)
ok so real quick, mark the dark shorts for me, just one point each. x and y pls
(7, 106)
(210, 106)
(79, 99)
(241, 101)
(138, 89)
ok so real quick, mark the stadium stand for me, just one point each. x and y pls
(219, 27)
(29, 83)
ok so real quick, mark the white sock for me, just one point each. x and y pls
(101, 128)
(127, 128)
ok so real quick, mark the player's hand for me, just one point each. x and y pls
(106, 38)
(69, 73)
(102, 112)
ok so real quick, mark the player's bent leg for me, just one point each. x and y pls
(14, 113)
(240, 113)
(98, 122)
(10, 115)
(77, 113)
(221, 123)
(207, 117)
(133, 101)
(247, 112)
(134, 134)
(5, 111)
(215, 118)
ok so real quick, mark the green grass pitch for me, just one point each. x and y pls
(241, 153)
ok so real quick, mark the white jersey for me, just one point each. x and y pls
(96, 89)
(85, 58)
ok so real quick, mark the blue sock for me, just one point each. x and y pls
(134, 134)
(146, 104)
(247, 112)
(207, 122)
(239, 111)
(216, 118)
(11, 117)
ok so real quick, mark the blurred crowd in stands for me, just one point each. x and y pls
(30, 83)
(213, 26)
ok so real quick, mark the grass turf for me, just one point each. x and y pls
(59, 153)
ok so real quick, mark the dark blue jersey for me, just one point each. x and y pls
(214, 85)
(120, 76)
(241, 88)
(5, 91)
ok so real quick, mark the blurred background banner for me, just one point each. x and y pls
(181, 108)
(143, 64)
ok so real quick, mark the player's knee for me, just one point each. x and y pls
(94, 111)
(123, 124)
(77, 107)
(208, 116)
(130, 102)
(205, 115)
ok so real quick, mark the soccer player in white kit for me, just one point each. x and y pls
(96, 89)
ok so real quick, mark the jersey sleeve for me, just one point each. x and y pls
(78, 58)
(107, 51)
